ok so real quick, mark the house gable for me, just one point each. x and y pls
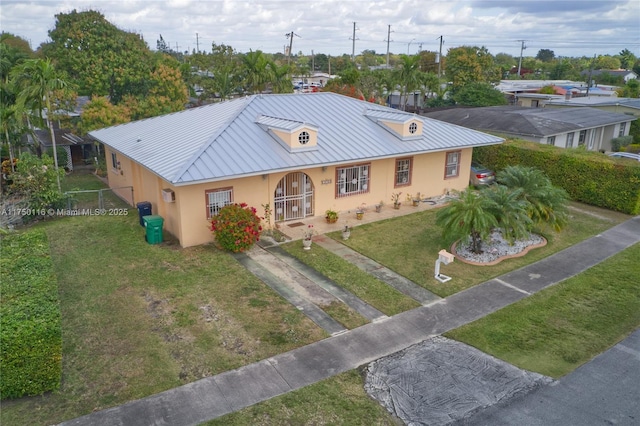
(293, 135)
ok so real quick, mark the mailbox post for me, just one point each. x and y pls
(446, 258)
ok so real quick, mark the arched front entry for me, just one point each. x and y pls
(293, 198)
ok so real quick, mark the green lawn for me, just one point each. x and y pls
(409, 245)
(138, 319)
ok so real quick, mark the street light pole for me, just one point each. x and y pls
(409, 45)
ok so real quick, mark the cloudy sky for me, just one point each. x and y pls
(568, 27)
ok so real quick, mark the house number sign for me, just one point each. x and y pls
(326, 182)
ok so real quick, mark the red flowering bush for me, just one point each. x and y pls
(236, 227)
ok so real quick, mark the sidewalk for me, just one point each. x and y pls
(216, 396)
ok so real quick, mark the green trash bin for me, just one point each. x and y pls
(153, 228)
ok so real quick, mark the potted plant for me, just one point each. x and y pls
(346, 232)
(395, 197)
(416, 200)
(307, 235)
(379, 206)
(331, 216)
(360, 211)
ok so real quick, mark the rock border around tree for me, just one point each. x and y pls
(499, 259)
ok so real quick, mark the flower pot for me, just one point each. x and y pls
(346, 235)
(396, 206)
(378, 208)
(359, 215)
(331, 219)
(306, 244)
(416, 203)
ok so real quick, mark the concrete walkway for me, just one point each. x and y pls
(216, 396)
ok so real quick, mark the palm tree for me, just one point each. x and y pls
(510, 211)
(281, 83)
(35, 81)
(545, 202)
(257, 74)
(409, 76)
(471, 217)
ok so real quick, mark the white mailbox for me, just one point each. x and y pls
(446, 258)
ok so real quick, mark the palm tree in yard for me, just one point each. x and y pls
(510, 211)
(36, 81)
(545, 202)
(409, 76)
(471, 216)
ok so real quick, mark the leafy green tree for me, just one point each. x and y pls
(36, 80)
(631, 89)
(545, 55)
(607, 62)
(100, 113)
(470, 217)
(98, 57)
(627, 59)
(545, 203)
(468, 64)
(280, 82)
(479, 94)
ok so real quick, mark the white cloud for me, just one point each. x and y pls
(569, 28)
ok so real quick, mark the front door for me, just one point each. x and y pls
(293, 198)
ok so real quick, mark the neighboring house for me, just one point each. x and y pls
(527, 92)
(299, 153)
(625, 74)
(79, 150)
(565, 128)
(618, 105)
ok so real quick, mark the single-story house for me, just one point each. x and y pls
(565, 128)
(301, 154)
(618, 105)
(626, 75)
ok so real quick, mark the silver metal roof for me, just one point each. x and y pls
(224, 140)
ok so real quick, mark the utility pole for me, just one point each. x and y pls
(197, 44)
(522, 47)
(290, 37)
(353, 45)
(590, 71)
(313, 62)
(409, 45)
(388, 40)
(329, 59)
(440, 57)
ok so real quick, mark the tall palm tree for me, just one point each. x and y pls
(35, 81)
(545, 202)
(409, 76)
(257, 74)
(280, 81)
(468, 217)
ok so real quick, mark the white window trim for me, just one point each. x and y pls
(353, 180)
(452, 168)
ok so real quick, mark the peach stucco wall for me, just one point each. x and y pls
(186, 218)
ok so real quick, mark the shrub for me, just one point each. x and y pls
(236, 227)
(35, 179)
(619, 143)
(63, 157)
(586, 176)
(30, 342)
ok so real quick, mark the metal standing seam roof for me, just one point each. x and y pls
(225, 140)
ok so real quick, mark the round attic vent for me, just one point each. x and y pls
(303, 138)
(413, 127)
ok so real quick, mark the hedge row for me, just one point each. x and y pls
(588, 177)
(30, 341)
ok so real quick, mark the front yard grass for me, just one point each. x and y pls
(138, 319)
(409, 245)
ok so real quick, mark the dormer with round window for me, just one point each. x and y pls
(403, 125)
(293, 135)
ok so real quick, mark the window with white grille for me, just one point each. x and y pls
(352, 180)
(551, 140)
(403, 171)
(452, 168)
(582, 137)
(217, 199)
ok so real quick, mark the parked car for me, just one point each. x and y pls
(629, 155)
(481, 176)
